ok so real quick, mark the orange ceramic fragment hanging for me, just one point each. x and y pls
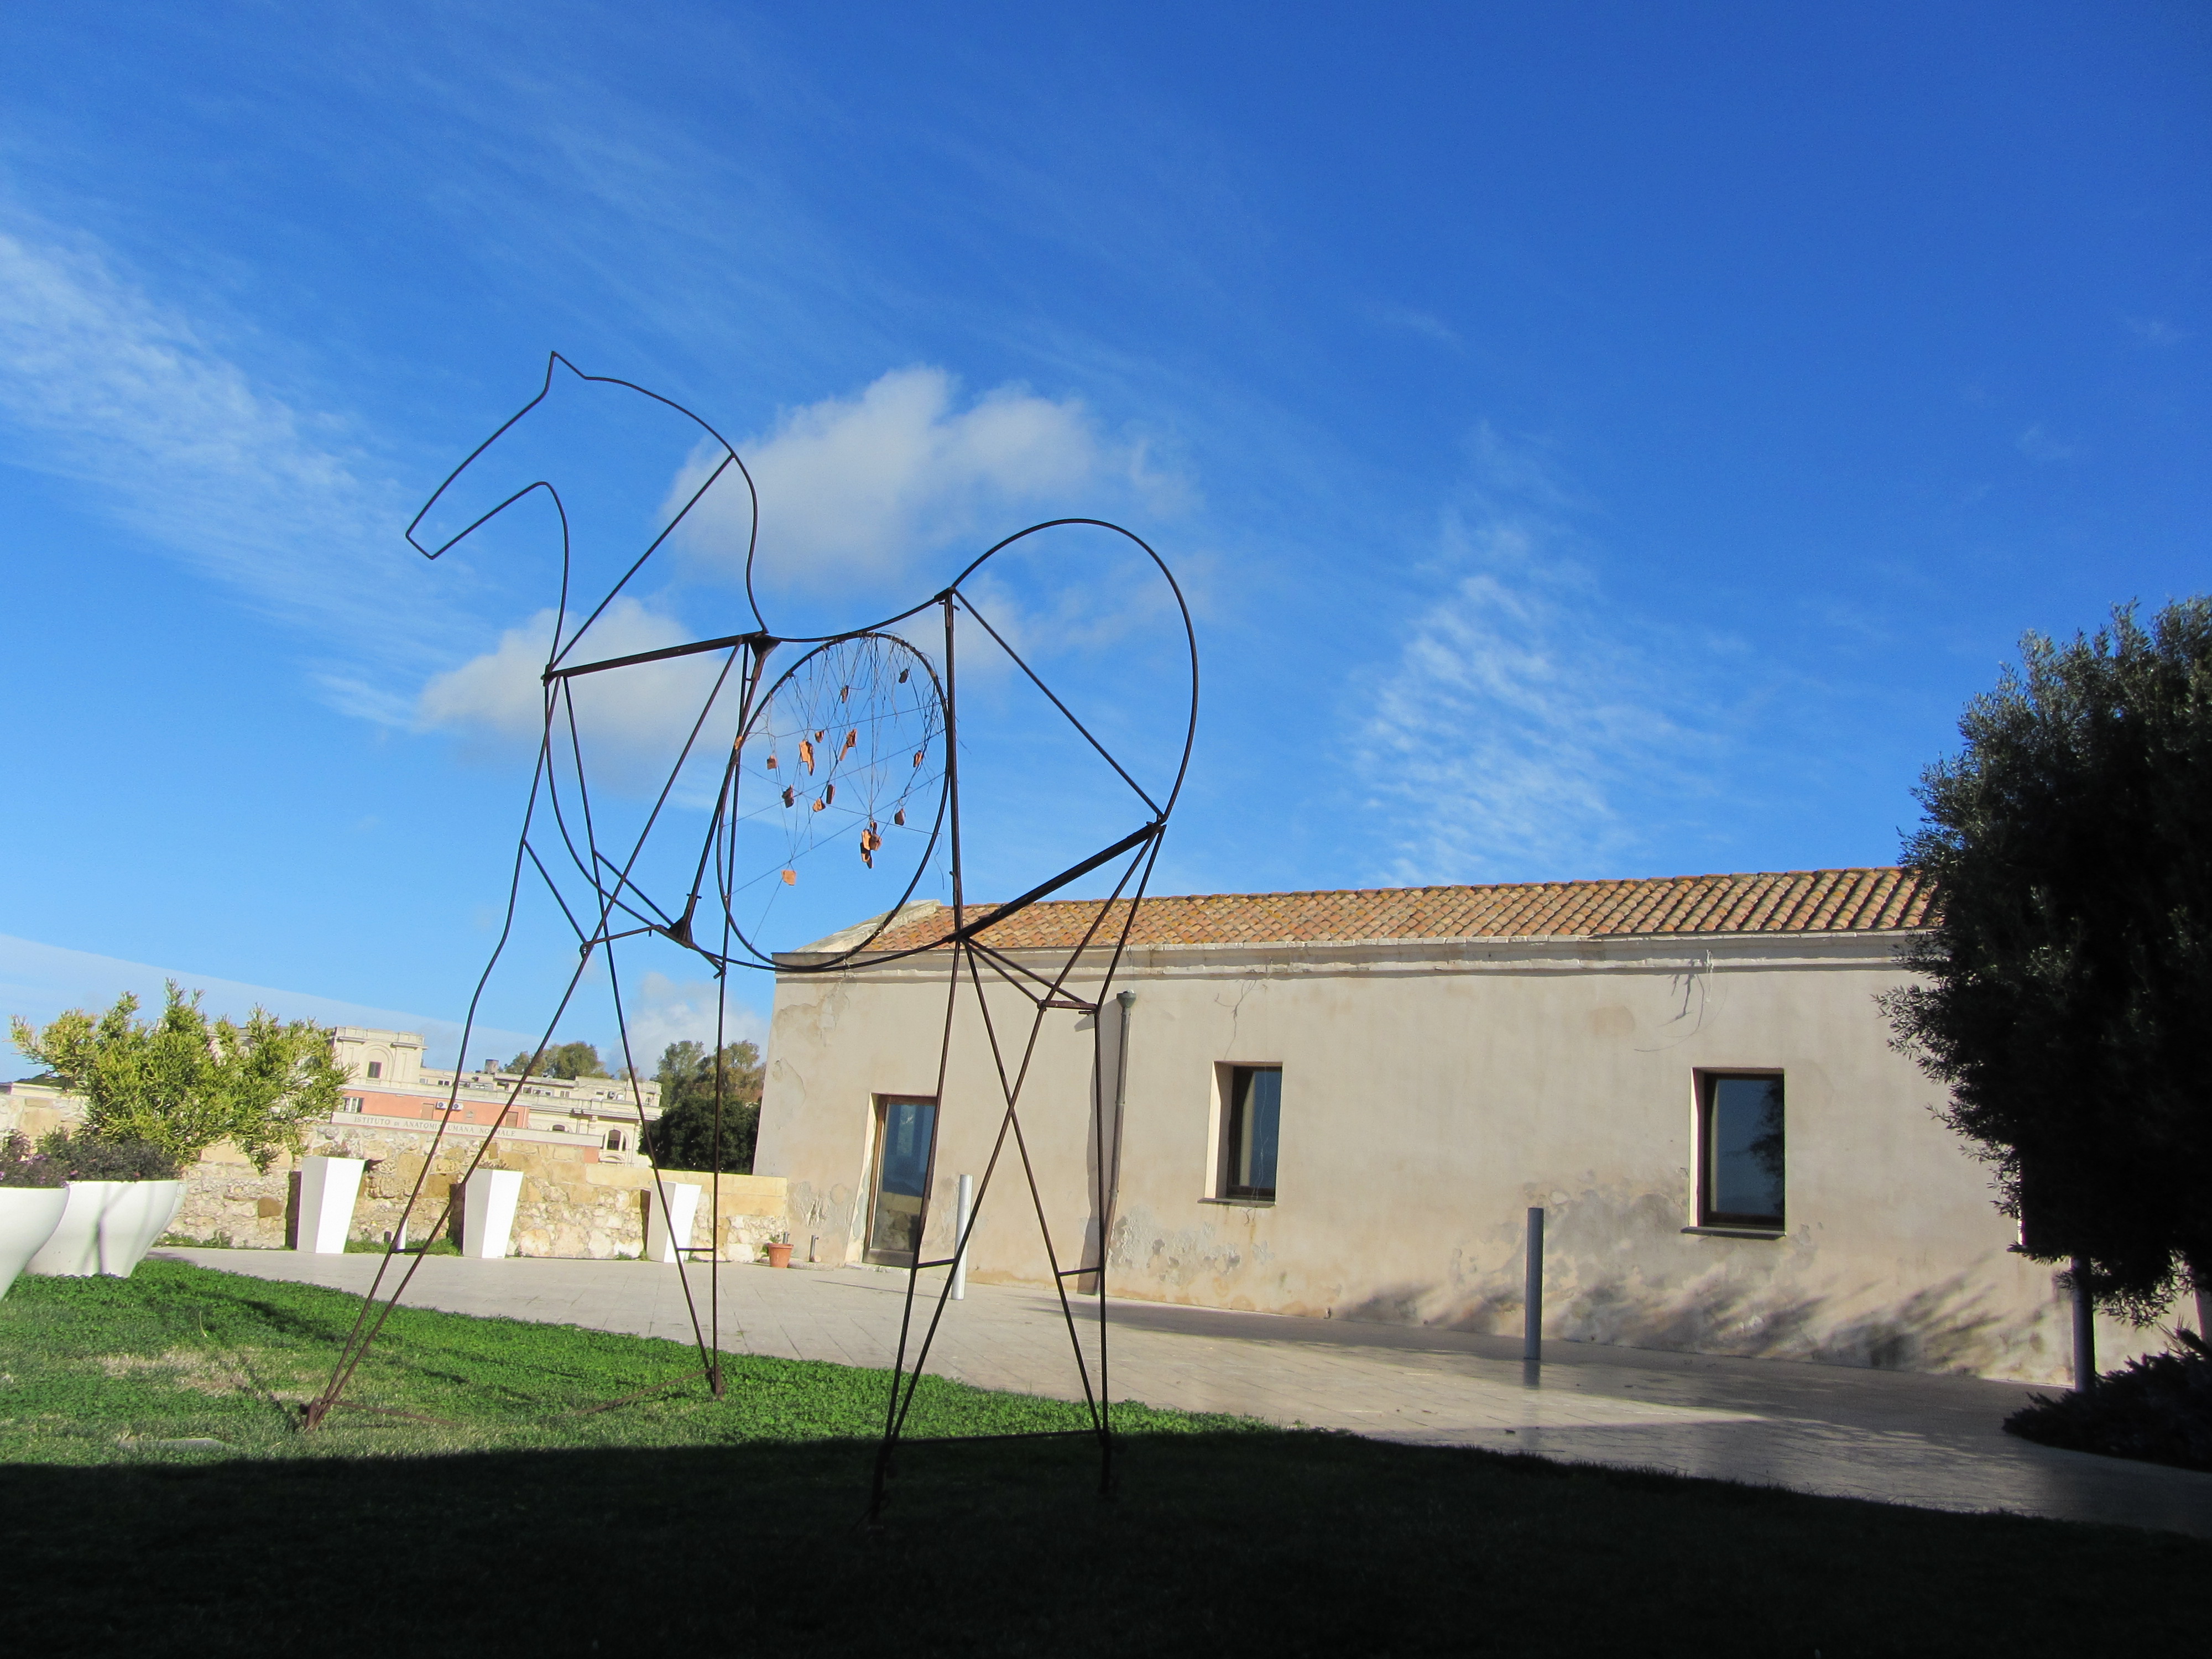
(817, 803)
(844, 692)
(806, 754)
(829, 794)
(918, 754)
(903, 673)
(851, 737)
(788, 795)
(791, 878)
(899, 817)
(771, 762)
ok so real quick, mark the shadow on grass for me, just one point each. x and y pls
(1275, 1541)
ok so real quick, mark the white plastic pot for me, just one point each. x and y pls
(140, 1214)
(29, 1216)
(107, 1227)
(488, 1212)
(328, 1188)
(665, 1235)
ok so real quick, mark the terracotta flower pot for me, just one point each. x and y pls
(778, 1256)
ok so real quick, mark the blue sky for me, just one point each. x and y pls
(1600, 440)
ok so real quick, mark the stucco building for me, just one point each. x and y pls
(386, 1081)
(1342, 1103)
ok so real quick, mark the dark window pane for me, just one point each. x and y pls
(1744, 1162)
(902, 1177)
(906, 1146)
(1255, 1121)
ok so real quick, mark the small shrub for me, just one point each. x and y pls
(86, 1158)
(19, 1166)
(2157, 1408)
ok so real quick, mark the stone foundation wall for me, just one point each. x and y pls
(570, 1205)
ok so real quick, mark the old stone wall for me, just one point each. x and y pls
(34, 1110)
(570, 1205)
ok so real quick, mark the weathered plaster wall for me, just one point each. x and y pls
(1431, 1094)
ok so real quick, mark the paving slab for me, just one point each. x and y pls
(1934, 1441)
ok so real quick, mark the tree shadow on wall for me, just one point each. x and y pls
(1945, 1328)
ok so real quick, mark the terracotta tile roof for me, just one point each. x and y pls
(1787, 902)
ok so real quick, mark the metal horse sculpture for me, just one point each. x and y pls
(842, 742)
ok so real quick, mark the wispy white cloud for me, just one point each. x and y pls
(40, 981)
(101, 385)
(668, 1011)
(2155, 331)
(631, 720)
(2038, 444)
(1521, 707)
(857, 486)
(1405, 319)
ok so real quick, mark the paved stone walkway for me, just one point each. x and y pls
(1929, 1441)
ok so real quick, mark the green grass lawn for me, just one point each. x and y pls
(524, 1524)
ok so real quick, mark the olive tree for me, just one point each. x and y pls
(2067, 986)
(182, 1082)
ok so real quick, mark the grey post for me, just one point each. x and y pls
(962, 1206)
(1532, 1318)
(2084, 1329)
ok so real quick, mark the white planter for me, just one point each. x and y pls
(328, 1188)
(138, 1215)
(73, 1251)
(107, 1227)
(488, 1212)
(29, 1216)
(665, 1235)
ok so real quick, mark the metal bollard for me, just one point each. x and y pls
(1532, 1325)
(963, 1206)
(2084, 1329)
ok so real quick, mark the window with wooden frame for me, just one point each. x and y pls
(1741, 1163)
(1252, 1132)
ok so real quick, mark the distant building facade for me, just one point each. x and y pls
(387, 1081)
(388, 1087)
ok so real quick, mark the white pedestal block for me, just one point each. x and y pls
(665, 1235)
(29, 1216)
(328, 1189)
(107, 1227)
(488, 1212)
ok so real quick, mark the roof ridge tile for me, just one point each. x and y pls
(1882, 898)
